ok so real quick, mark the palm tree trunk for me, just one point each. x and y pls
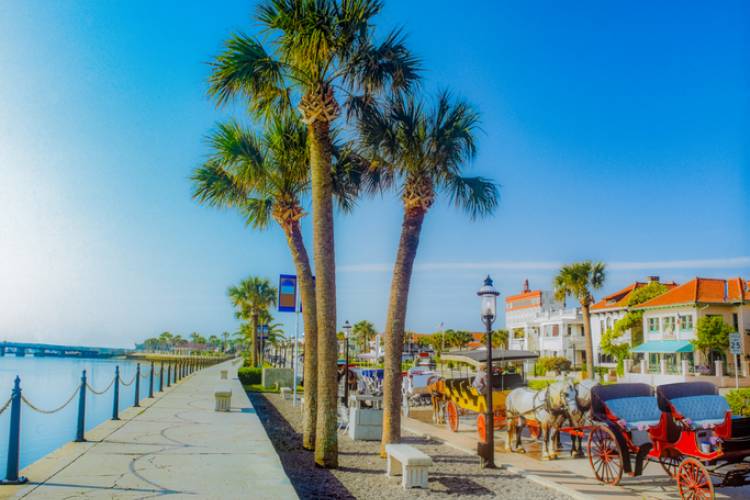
(309, 318)
(256, 356)
(587, 339)
(326, 442)
(394, 333)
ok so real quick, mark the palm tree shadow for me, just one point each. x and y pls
(308, 480)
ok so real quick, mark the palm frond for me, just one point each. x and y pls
(213, 186)
(477, 195)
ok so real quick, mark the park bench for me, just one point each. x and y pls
(413, 462)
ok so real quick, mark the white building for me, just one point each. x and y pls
(610, 309)
(537, 322)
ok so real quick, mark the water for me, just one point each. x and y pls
(49, 382)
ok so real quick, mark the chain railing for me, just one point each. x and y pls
(50, 412)
(17, 398)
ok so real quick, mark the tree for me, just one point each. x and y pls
(251, 298)
(632, 321)
(320, 48)
(166, 339)
(421, 152)
(364, 332)
(214, 341)
(423, 342)
(178, 341)
(458, 339)
(499, 339)
(711, 337)
(577, 280)
(437, 341)
(197, 338)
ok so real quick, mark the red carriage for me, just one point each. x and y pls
(686, 427)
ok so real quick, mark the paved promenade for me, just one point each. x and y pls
(175, 446)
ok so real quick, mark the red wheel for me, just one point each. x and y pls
(670, 461)
(605, 456)
(481, 428)
(694, 481)
(452, 412)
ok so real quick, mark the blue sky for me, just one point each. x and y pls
(618, 132)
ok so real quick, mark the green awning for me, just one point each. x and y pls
(662, 346)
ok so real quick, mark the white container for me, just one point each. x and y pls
(224, 374)
(223, 398)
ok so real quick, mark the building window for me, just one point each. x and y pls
(653, 325)
(555, 330)
(570, 330)
(609, 323)
(668, 324)
(686, 322)
(601, 325)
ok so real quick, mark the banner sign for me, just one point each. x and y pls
(735, 343)
(287, 292)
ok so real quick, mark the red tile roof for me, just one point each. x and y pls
(703, 291)
(523, 300)
(619, 299)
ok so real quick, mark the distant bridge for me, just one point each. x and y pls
(66, 351)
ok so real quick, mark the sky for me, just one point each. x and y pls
(617, 132)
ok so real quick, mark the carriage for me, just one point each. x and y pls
(455, 397)
(686, 427)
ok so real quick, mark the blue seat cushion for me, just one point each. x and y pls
(702, 410)
(636, 412)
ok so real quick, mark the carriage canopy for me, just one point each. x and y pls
(479, 357)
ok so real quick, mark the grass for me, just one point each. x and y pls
(267, 390)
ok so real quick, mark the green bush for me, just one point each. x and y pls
(249, 375)
(739, 402)
(551, 363)
(538, 385)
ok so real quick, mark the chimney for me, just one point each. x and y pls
(526, 286)
(653, 279)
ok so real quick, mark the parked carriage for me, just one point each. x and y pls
(455, 397)
(686, 427)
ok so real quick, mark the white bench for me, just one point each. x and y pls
(413, 462)
(286, 392)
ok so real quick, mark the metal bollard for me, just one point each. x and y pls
(161, 377)
(14, 440)
(137, 385)
(169, 374)
(80, 429)
(151, 381)
(116, 402)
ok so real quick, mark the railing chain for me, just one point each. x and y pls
(99, 393)
(6, 405)
(129, 383)
(49, 412)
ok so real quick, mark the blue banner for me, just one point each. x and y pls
(287, 292)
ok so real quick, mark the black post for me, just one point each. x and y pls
(116, 403)
(346, 370)
(161, 377)
(488, 460)
(137, 385)
(151, 381)
(81, 410)
(14, 440)
(169, 374)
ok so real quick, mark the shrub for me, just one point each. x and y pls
(739, 402)
(551, 363)
(249, 376)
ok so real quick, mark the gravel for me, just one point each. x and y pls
(361, 471)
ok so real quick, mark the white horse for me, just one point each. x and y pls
(549, 408)
(580, 415)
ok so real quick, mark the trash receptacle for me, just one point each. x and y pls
(223, 398)
(224, 374)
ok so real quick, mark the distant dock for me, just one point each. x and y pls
(22, 349)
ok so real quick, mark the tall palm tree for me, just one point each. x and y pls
(421, 152)
(499, 338)
(265, 177)
(251, 298)
(364, 331)
(318, 46)
(577, 280)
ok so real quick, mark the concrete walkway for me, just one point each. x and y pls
(176, 445)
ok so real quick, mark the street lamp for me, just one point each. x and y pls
(488, 300)
(347, 332)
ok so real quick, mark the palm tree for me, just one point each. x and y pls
(318, 46)
(166, 339)
(364, 331)
(251, 298)
(422, 152)
(265, 178)
(499, 338)
(577, 280)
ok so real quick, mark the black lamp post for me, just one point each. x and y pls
(347, 331)
(488, 298)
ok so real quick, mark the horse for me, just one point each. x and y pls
(580, 415)
(549, 407)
